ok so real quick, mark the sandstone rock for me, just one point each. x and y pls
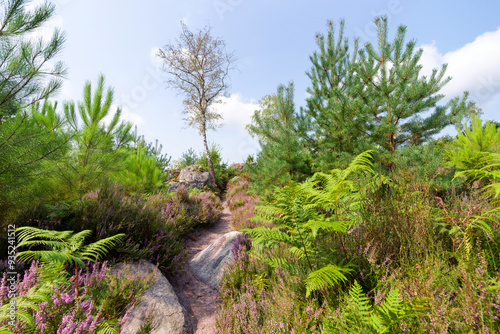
(239, 167)
(160, 300)
(208, 265)
(193, 176)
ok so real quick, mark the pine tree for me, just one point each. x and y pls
(25, 73)
(98, 149)
(29, 131)
(374, 97)
(281, 158)
(335, 115)
(28, 141)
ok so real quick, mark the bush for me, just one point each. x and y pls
(222, 172)
(153, 226)
(241, 203)
(259, 299)
(102, 302)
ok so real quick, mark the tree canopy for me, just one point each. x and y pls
(374, 96)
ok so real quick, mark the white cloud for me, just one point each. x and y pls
(153, 59)
(132, 117)
(126, 115)
(475, 67)
(237, 111)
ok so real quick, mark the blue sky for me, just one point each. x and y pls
(273, 41)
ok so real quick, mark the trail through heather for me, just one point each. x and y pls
(199, 299)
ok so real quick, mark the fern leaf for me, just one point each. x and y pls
(265, 236)
(329, 225)
(298, 252)
(100, 247)
(108, 327)
(392, 310)
(279, 262)
(78, 238)
(328, 276)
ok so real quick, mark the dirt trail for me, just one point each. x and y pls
(199, 299)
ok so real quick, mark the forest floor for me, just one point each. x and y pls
(199, 299)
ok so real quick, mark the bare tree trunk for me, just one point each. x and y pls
(209, 159)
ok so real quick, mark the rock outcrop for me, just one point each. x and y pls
(193, 176)
(208, 265)
(238, 168)
(160, 302)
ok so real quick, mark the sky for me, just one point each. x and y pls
(272, 40)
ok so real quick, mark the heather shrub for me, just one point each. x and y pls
(211, 208)
(110, 211)
(153, 226)
(395, 221)
(241, 203)
(259, 299)
(100, 305)
(187, 211)
(442, 297)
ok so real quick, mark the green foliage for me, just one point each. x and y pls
(305, 214)
(359, 316)
(222, 171)
(490, 171)
(65, 247)
(98, 148)
(266, 112)
(28, 140)
(373, 97)
(142, 172)
(27, 72)
(282, 157)
(188, 158)
(422, 164)
(61, 248)
(471, 147)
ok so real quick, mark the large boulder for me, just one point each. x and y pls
(193, 176)
(208, 265)
(159, 301)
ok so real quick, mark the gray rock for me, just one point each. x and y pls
(159, 301)
(239, 168)
(193, 176)
(208, 265)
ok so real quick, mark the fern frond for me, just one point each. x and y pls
(27, 304)
(265, 236)
(391, 311)
(93, 251)
(298, 252)
(77, 239)
(359, 302)
(361, 163)
(108, 327)
(280, 262)
(328, 276)
(27, 233)
(340, 226)
(47, 256)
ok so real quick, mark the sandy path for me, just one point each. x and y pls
(199, 299)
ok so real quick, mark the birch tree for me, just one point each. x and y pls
(198, 66)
